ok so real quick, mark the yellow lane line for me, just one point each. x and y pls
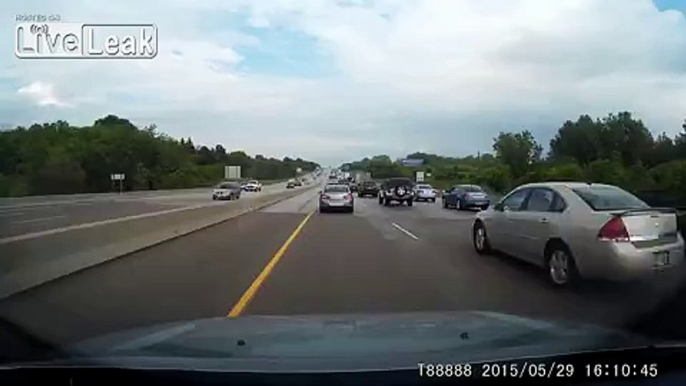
(252, 290)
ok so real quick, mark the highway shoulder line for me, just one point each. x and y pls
(255, 286)
(405, 231)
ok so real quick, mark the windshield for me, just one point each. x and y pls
(336, 189)
(608, 198)
(230, 170)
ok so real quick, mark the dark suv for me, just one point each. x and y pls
(368, 188)
(396, 189)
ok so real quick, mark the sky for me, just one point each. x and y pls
(335, 81)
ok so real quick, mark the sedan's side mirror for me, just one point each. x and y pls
(320, 192)
(498, 207)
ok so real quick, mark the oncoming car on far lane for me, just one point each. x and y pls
(227, 191)
(336, 197)
(252, 186)
(578, 230)
(424, 192)
(466, 197)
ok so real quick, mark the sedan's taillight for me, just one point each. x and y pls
(614, 230)
(325, 197)
(348, 197)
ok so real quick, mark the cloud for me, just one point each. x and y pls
(42, 94)
(443, 74)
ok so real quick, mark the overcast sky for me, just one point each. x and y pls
(335, 81)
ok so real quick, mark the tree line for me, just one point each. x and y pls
(617, 149)
(56, 157)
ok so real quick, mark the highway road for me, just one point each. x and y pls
(26, 215)
(289, 259)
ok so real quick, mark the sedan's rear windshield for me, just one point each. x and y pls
(471, 188)
(228, 185)
(336, 188)
(608, 198)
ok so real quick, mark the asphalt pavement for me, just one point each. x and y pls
(289, 259)
(26, 215)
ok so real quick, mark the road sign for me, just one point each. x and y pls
(119, 177)
(232, 172)
(420, 176)
(412, 162)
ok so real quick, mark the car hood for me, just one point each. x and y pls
(345, 342)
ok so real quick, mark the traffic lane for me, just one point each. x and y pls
(196, 276)
(345, 263)
(623, 305)
(361, 263)
(25, 219)
(28, 220)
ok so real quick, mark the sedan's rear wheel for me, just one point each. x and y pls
(560, 266)
(480, 239)
(445, 204)
(409, 202)
(386, 202)
(458, 205)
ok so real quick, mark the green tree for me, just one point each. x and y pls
(517, 150)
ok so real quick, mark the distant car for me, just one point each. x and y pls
(227, 191)
(578, 230)
(368, 188)
(336, 197)
(290, 184)
(465, 197)
(396, 189)
(252, 186)
(424, 192)
(298, 182)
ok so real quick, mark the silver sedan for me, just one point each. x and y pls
(336, 197)
(578, 230)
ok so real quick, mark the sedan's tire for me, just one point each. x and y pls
(214, 198)
(351, 210)
(322, 210)
(386, 202)
(433, 200)
(445, 204)
(458, 204)
(480, 239)
(409, 202)
(381, 200)
(560, 266)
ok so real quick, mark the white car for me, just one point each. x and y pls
(252, 186)
(424, 192)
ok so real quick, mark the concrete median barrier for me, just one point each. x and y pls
(26, 263)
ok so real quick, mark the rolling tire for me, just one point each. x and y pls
(560, 266)
(433, 200)
(445, 204)
(480, 239)
(409, 202)
(380, 200)
(458, 204)
(386, 202)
